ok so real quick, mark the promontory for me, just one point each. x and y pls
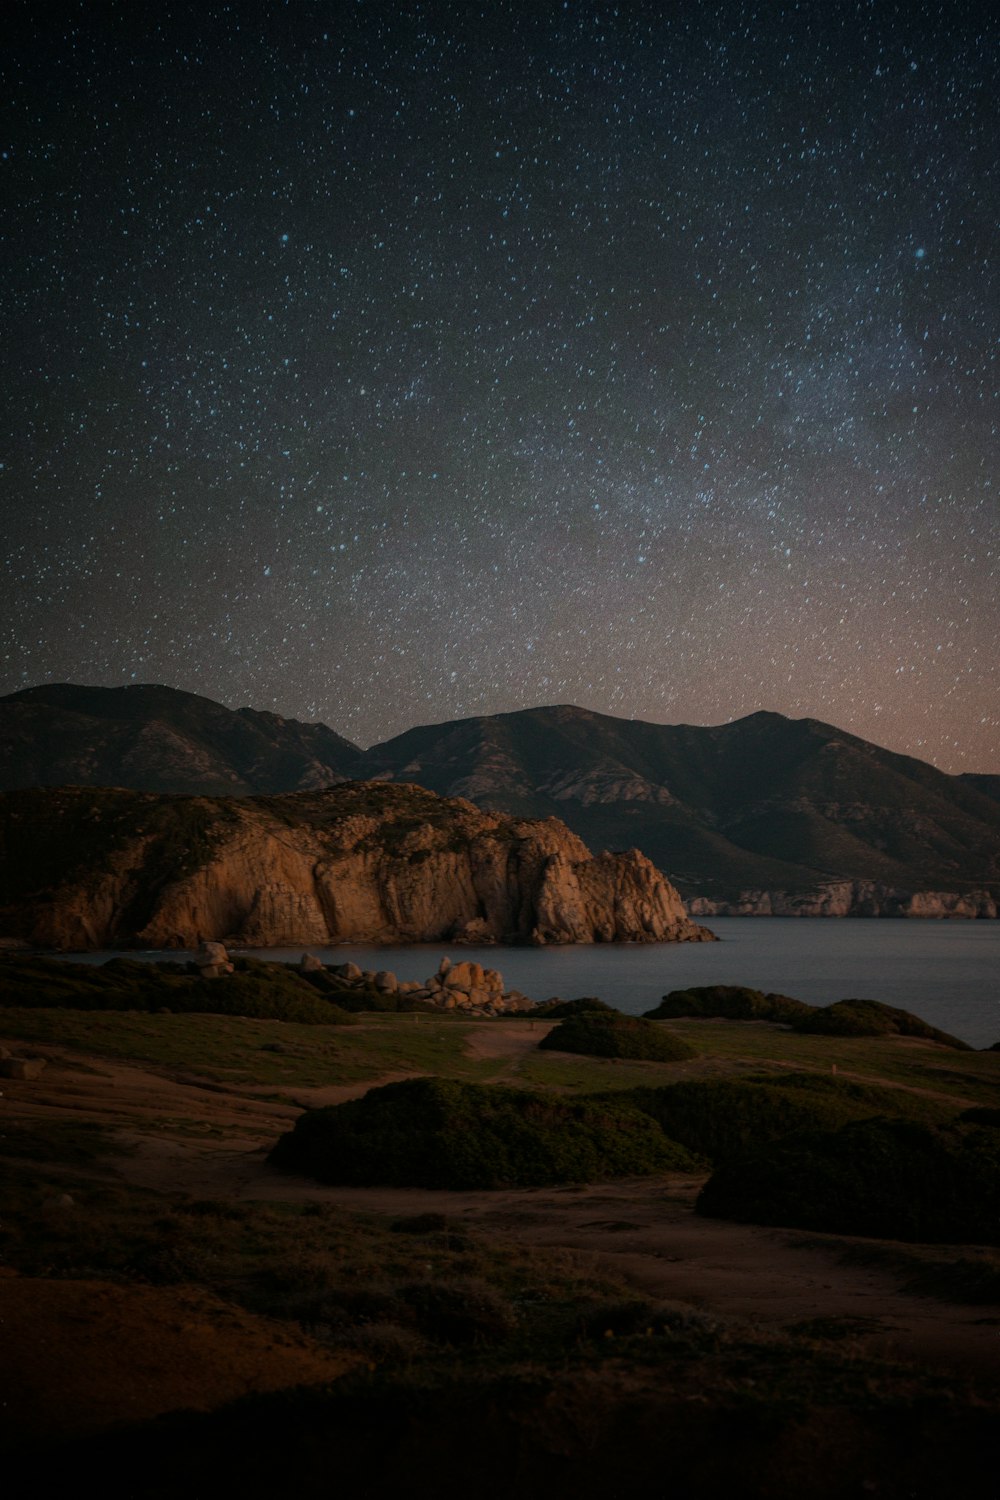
(87, 868)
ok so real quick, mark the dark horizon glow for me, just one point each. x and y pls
(390, 365)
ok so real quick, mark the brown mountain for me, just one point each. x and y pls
(158, 739)
(101, 867)
(765, 814)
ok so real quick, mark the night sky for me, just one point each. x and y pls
(386, 364)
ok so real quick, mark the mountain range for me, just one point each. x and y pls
(762, 815)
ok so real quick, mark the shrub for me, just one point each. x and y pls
(725, 1119)
(596, 1034)
(364, 997)
(731, 1002)
(558, 1010)
(872, 1018)
(894, 1179)
(266, 991)
(980, 1114)
(431, 1132)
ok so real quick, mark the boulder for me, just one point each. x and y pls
(465, 976)
(386, 981)
(22, 1067)
(310, 964)
(350, 972)
(210, 955)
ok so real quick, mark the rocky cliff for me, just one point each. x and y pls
(85, 868)
(851, 898)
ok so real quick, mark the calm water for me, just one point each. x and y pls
(946, 972)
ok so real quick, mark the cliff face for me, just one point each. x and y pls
(358, 863)
(851, 898)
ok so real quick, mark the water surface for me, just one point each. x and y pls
(948, 973)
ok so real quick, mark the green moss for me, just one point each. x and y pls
(600, 1034)
(429, 1132)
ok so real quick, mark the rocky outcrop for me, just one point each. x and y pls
(851, 898)
(465, 987)
(362, 862)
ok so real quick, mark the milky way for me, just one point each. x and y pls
(386, 368)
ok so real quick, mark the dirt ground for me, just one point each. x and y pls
(211, 1140)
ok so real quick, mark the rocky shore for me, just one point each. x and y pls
(466, 987)
(850, 898)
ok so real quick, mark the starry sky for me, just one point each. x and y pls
(386, 364)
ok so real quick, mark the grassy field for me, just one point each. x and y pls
(438, 1308)
(286, 1055)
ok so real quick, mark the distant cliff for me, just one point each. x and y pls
(83, 868)
(850, 898)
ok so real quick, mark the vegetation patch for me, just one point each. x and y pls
(732, 1002)
(872, 1018)
(559, 1010)
(891, 1179)
(436, 1133)
(79, 1143)
(610, 1034)
(725, 1119)
(259, 990)
(735, 1002)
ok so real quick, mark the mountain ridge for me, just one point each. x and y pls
(760, 813)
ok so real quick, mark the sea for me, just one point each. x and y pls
(946, 972)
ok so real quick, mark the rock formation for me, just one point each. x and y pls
(361, 862)
(851, 898)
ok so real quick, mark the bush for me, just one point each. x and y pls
(266, 991)
(595, 1034)
(844, 1018)
(725, 1119)
(731, 1002)
(872, 1018)
(558, 1010)
(430, 1132)
(362, 997)
(894, 1179)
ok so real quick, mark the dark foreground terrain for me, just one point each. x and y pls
(180, 1317)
